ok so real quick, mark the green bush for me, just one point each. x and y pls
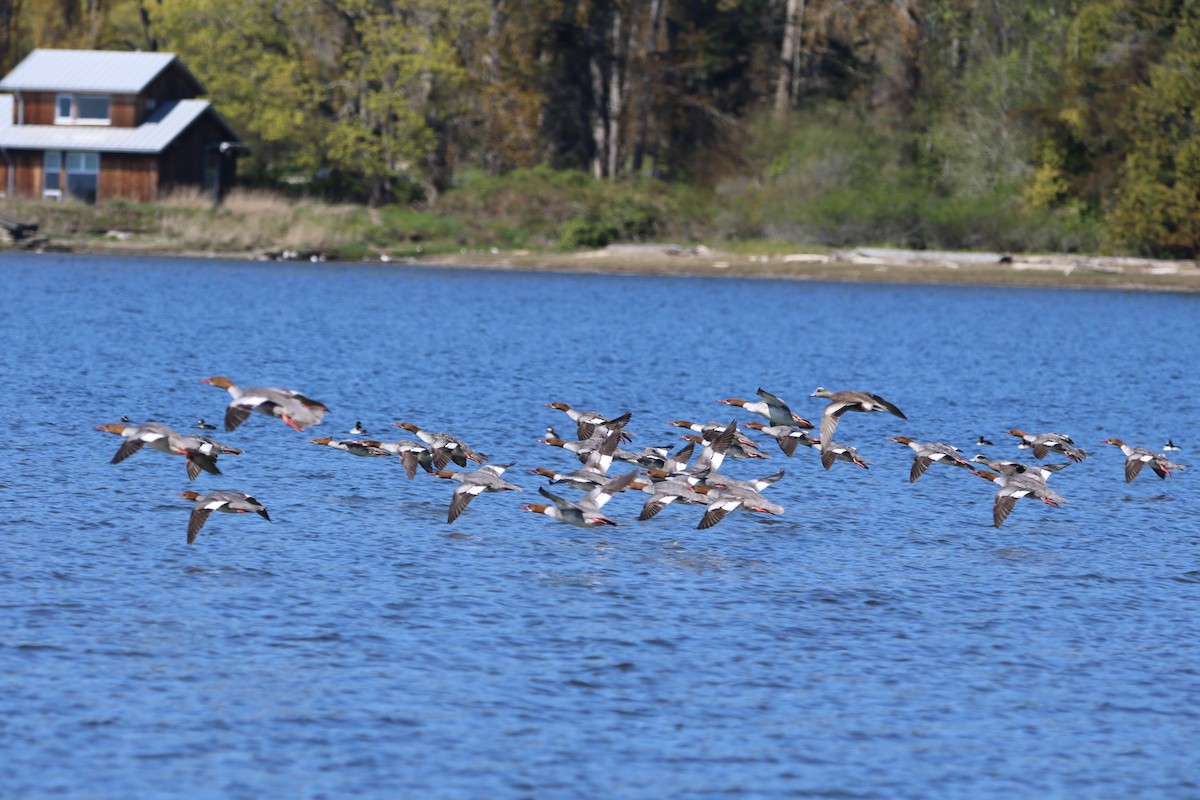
(586, 231)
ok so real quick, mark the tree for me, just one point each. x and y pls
(388, 124)
(1157, 208)
(262, 65)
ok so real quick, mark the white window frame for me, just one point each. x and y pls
(69, 119)
(73, 118)
(53, 194)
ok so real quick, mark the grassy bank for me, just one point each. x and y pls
(541, 219)
(533, 209)
(835, 196)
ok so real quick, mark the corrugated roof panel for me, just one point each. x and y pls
(101, 71)
(152, 136)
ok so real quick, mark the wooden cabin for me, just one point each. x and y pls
(99, 124)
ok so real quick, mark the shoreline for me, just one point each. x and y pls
(862, 265)
(858, 265)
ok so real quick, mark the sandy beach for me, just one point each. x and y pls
(860, 265)
(868, 265)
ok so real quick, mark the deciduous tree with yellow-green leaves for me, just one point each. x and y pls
(1157, 210)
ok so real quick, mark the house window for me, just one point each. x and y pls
(82, 109)
(52, 170)
(83, 176)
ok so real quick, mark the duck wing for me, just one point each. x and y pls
(919, 465)
(200, 514)
(463, 496)
(199, 461)
(127, 448)
(891, 409)
(1133, 466)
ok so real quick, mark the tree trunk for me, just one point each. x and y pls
(648, 94)
(599, 117)
(149, 39)
(787, 76)
(615, 96)
(496, 20)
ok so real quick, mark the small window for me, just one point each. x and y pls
(63, 109)
(52, 170)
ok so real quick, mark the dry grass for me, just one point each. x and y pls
(251, 219)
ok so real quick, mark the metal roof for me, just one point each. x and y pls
(101, 71)
(153, 136)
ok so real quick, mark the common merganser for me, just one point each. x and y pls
(583, 479)
(296, 410)
(929, 453)
(586, 512)
(1014, 487)
(412, 454)
(1042, 471)
(787, 436)
(713, 453)
(775, 410)
(354, 447)
(197, 448)
(728, 495)
(841, 402)
(648, 457)
(1169, 446)
(1043, 443)
(675, 466)
(600, 445)
(737, 448)
(199, 452)
(1138, 457)
(358, 429)
(982, 442)
(485, 479)
(669, 490)
(205, 426)
(445, 448)
(587, 422)
(835, 451)
(594, 471)
(225, 501)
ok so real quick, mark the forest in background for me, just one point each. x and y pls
(1066, 125)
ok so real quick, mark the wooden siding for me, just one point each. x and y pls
(130, 175)
(39, 107)
(183, 163)
(125, 111)
(27, 173)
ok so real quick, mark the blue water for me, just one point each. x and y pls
(878, 639)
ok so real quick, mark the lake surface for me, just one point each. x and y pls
(878, 639)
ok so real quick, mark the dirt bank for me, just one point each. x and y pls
(874, 265)
(859, 265)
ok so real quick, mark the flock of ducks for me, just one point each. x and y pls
(666, 477)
